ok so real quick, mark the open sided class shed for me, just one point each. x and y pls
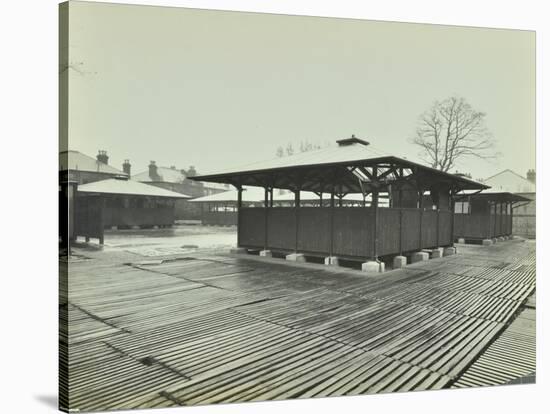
(364, 231)
(486, 215)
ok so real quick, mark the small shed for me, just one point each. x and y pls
(368, 231)
(485, 215)
(122, 203)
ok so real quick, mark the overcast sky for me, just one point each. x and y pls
(220, 89)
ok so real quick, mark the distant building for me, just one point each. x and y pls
(94, 195)
(84, 169)
(124, 203)
(173, 179)
(524, 221)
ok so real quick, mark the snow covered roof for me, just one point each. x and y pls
(250, 194)
(127, 187)
(350, 162)
(77, 161)
(166, 175)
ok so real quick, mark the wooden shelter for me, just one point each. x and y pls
(121, 203)
(409, 223)
(486, 215)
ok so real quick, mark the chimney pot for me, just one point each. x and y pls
(103, 157)
(127, 167)
(153, 175)
(531, 176)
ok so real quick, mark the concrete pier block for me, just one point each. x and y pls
(296, 257)
(500, 239)
(486, 242)
(436, 253)
(399, 262)
(238, 250)
(494, 240)
(449, 251)
(114, 227)
(461, 241)
(419, 257)
(266, 253)
(332, 261)
(373, 266)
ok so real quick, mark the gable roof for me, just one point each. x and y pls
(127, 187)
(167, 175)
(77, 161)
(509, 181)
(309, 170)
(492, 195)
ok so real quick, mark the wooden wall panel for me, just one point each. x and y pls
(251, 227)
(314, 230)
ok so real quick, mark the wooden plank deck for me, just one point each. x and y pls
(511, 356)
(221, 328)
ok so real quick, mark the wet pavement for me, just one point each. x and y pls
(200, 326)
(180, 239)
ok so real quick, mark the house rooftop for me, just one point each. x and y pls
(509, 181)
(166, 175)
(77, 161)
(127, 187)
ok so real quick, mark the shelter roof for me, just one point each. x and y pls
(499, 196)
(127, 187)
(351, 166)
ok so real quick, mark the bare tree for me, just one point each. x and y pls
(305, 146)
(451, 129)
(289, 149)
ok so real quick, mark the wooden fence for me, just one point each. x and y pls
(344, 231)
(482, 226)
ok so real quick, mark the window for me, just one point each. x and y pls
(462, 207)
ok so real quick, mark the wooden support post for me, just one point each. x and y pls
(239, 206)
(375, 224)
(437, 229)
(266, 206)
(495, 223)
(421, 209)
(501, 219)
(297, 218)
(102, 206)
(271, 197)
(331, 245)
(511, 218)
(452, 202)
(400, 232)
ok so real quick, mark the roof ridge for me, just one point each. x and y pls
(513, 172)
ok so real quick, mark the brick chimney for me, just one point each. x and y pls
(153, 175)
(531, 176)
(127, 167)
(103, 157)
